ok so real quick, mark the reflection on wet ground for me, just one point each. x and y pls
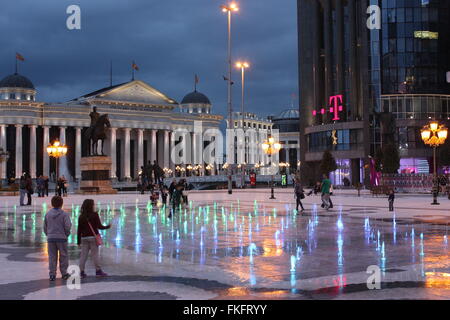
(261, 245)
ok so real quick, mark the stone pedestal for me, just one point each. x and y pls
(95, 175)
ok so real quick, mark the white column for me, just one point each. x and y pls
(112, 148)
(287, 153)
(172, 145)
(46, 159)
(19, 150)
(153, 146)
(194, 158)
(62, 135)
(3, 146)
(166, 149)
(126, 152)
(140, 149)
(33, 151)
(77, 153)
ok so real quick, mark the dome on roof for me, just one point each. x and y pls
(16, 81)
(195, 98)
(288, 114)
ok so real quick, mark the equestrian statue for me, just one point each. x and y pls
(97, 131)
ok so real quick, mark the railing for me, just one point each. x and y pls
(413, 183)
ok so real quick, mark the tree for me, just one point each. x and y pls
(390, 160)
(444, 155)
(328, 163)
(378, 160)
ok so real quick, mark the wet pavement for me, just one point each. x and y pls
(220, 249)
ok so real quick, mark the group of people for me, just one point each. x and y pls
(150, 175)
(58, 227)
(325, 188)
(26, 188)
(42, 186)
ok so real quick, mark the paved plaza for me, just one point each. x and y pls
(240, 246)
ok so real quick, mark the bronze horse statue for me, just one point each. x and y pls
(96, 133)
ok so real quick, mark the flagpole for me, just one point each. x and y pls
(195, 82)
(132, 71)
(16, 64)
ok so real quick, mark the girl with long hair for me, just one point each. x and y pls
(88, 236)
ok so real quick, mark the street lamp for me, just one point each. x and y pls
(57, 150)
(242, 66)
(229, 9)
(434, 135)
(270, 147)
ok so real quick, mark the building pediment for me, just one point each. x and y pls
(134, 92)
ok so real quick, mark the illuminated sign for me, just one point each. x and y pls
(335, 104)
(334, 137)
(426, 35)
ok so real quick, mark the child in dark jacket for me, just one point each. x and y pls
(176, 198)
(57, 227)
(391, 199)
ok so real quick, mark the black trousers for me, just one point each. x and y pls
(391, 205)
(299, 202)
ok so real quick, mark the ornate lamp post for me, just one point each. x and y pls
(270, 147)
(189, 168)
(168, 172)
(57, 150)
(434, 135)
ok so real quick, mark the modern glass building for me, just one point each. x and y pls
(350, 69)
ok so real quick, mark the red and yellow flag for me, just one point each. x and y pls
(134, 66)
(19, 57)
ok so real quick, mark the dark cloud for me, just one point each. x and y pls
(170, 40)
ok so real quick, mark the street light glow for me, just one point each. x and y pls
(242, 65)
(232, 7)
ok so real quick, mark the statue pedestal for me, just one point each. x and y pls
(95, 175)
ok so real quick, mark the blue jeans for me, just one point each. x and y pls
(23, 193)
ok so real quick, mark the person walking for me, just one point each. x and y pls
(157, 172)
(331, 193)
(40, 186)
(391, 199)
(299, 194)
(176, 199)
(46, 181)
(88, 237)
(64, 186)
(172, 187)
(326, 184)
(22, 189)
(29, 187)
(164, 193)
(148, 172)
(57, 226)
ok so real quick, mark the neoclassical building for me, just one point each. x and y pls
(143, 122)
(287, 124)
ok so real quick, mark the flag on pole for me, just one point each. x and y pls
(19, 57)
(195, 82)
(135, 66)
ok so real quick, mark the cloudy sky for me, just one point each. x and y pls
(170, 40)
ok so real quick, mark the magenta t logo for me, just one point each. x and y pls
(336, 106)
